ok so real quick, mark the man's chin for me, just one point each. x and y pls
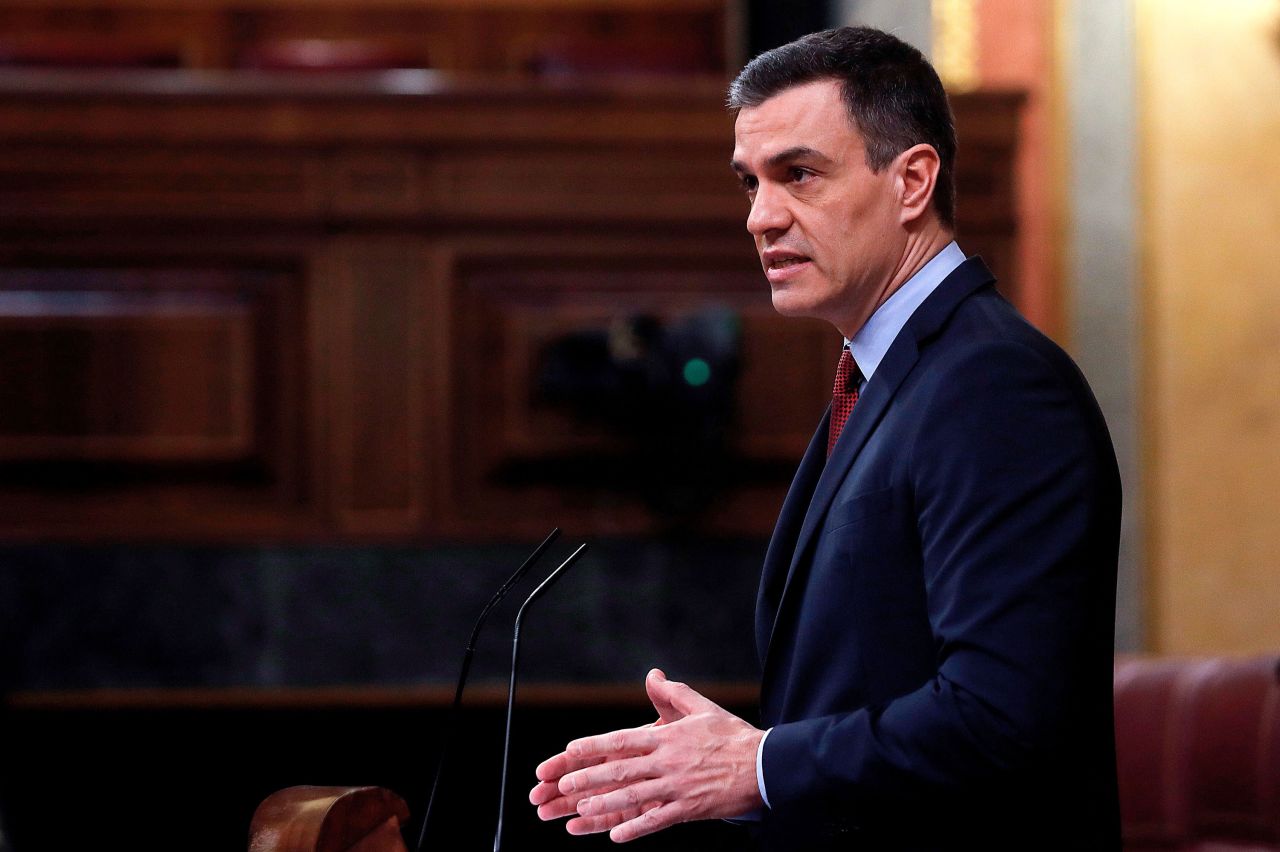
(788, 305)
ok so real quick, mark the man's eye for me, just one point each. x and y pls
(748, 183)
(798, 175)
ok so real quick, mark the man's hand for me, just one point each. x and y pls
(698, 761)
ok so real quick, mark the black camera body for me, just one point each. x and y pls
(667, 388)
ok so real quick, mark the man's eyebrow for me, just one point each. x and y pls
(796, 152)
(786, 155)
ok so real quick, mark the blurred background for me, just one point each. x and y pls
(317, 315)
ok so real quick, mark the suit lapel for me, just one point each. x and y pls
(782, 545)
(872, 404)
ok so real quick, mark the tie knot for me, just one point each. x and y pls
(848, 376)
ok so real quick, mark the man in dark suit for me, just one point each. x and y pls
(935, 616)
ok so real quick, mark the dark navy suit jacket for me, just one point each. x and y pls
(936, 612)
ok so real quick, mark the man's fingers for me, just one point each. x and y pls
(648, 821)
(595, 825)
(543, 792)
(552, 805)
(589, 751)
(579, 754)
(561, 806)
(553, 768)
(624, 799)
(608, 775)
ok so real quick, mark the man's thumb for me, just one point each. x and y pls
(653, 685)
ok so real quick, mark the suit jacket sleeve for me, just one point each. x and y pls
(1011, 480)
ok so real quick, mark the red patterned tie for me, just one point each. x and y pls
(843, 397)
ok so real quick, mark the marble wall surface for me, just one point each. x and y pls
(117, 616)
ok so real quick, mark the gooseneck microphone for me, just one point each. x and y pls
(467, 654)
(511, 688)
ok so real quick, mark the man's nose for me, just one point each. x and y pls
(769, 211)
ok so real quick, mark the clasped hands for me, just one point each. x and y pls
(698, 761)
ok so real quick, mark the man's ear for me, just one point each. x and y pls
(917, 175)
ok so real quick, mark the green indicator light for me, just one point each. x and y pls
(697, 372)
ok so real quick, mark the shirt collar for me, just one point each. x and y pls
(871, 341)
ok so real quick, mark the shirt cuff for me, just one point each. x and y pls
(764, 794)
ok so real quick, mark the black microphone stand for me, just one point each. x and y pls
(511, 688)
(467, 655)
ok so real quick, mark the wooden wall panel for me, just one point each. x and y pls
(132, 394)
(526, 458)
(163, 181)
(110, 376)
(374, 386)
(368, 283)
(378, 184)
(622, 182)
(987, 218)
(775, 352)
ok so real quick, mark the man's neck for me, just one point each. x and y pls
(920, 249)
(878, 333)
(921, 246)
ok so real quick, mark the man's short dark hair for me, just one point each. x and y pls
(892, 93)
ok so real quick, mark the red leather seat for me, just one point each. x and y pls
(1198, 752)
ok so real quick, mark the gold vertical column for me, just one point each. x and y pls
(955, 43)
